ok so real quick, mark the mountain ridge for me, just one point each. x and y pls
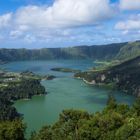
(100, 52)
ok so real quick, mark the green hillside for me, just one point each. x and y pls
(79, 52)
(128, 51)
(115, 122)
(119, 51)
(124, 76)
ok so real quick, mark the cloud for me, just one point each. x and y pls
(29, 38)
(69, 21)
(15, 34)
(133, 23)
(19, 31)
(129, 29)
(130, 4)
(5, 20)
(64, 13)
(45, 22)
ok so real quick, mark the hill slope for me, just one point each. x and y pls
(119, 51)
(125, 76)
(128, 51)
(80, 52)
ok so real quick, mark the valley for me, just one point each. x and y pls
(74, 82)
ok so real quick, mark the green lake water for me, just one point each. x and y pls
(64, 92)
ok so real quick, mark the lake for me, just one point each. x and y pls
(64, 92)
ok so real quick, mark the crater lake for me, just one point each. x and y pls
(63, 92)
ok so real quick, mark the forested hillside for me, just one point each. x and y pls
(81, 52)
(14, 86)
(121, 51)
(129, 51)
(124, 76)
(115, 122)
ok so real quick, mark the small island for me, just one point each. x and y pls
(69, 70)
(36, 76)
(48, 77)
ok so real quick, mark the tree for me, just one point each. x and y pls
(136, 106)
(12, 130)
(111, 103)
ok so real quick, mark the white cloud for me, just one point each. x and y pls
(67, 20)
(133, 23)
(130, 4)
(29, 38)
(5, 20)
(64, 13)
(46, 22)
(18, 31)
(15, 34)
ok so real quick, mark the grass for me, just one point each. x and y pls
(104, 65)
(109, 85)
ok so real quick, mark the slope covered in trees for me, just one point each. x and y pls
(124, 76)
(115, 122)
(14, 86)
(119, 51)
(12, 130)
(111, 51)
(129, 51)
(11, 125)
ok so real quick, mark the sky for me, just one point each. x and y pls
(67, 23)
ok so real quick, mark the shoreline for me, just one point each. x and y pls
(87, 82)
(106, 87)
(28, 99)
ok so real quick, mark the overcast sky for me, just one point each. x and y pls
(64, 23)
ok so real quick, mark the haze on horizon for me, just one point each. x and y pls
(61, 23)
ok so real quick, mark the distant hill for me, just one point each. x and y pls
(121, 51)
(129, 50)
(80, 52)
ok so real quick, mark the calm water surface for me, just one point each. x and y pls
(64, 92)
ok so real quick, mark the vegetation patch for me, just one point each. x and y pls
(115, 122)
(65, 70)
(123, 76)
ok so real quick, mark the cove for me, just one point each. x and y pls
(64, 92)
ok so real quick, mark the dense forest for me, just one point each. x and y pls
(24, 89)
(119, 51)
(14, 86)
(115, 122)
(124, 76)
